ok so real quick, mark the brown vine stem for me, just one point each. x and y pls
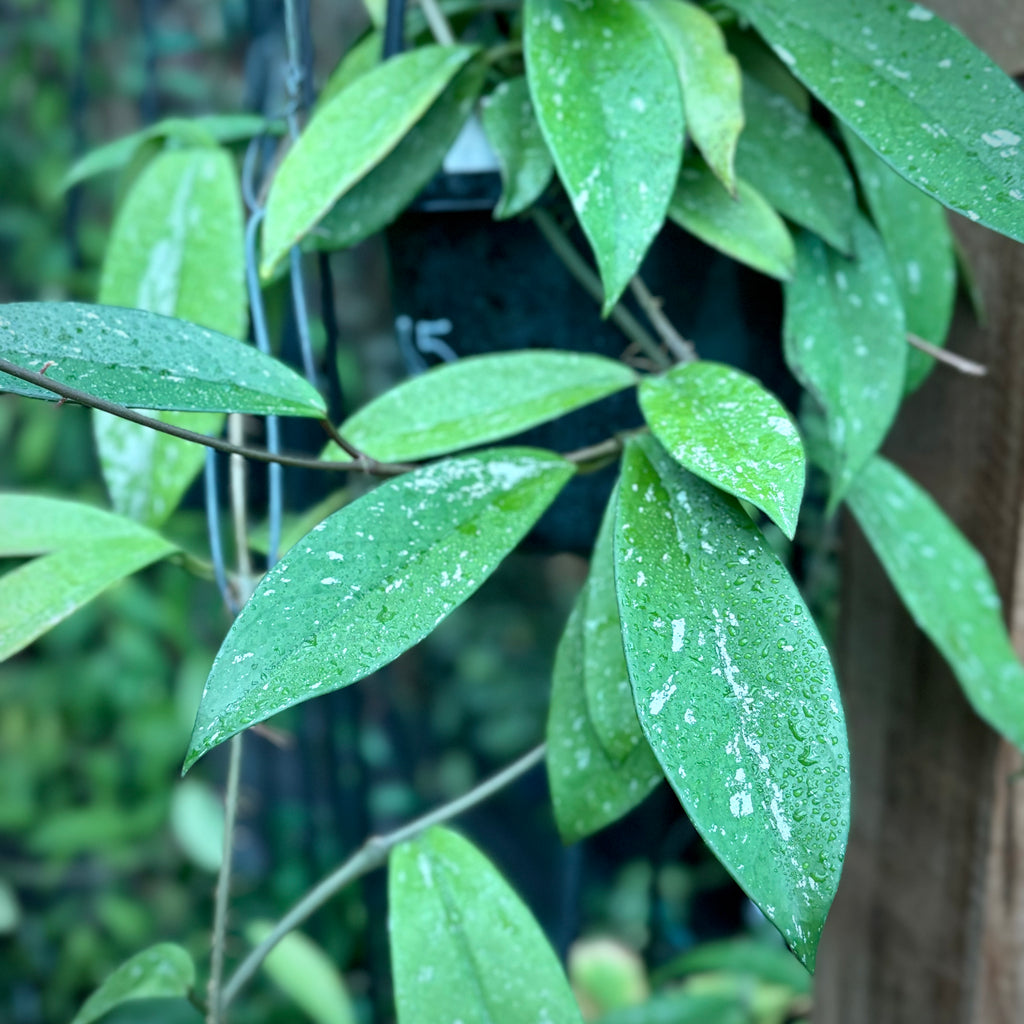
(680, 347)
(372, 854)
(943, 355)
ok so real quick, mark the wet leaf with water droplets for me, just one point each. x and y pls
(607, 98)
(162, 971)
(734, 690)
(844, 338)
(946, 587)
(477, 400)
(724, 426)
(370, 581)
(463, 945)
(82, 550)
(924, 98)
(146, 361)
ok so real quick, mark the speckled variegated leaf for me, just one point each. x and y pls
(514, 133)
(607, 98)
(82, 550)
(710, 80)
(919, 243)
(176, 248)
(946, 587)
(734, 690)
(477, 400)
(722, 425)
(464, 947)
(162, 971)
(146, 361)
(589, 788)
(743, 226)
(370, 581)
(844, 338)
(791, 162)
(923, 97)
(348, 137)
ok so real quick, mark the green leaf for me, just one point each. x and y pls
(463, 945)
(514, 133)
(925, 99)
(844, 338)
(734, 690)
(766, 962)
(177, 248)
(162, 971)
(722, 425)
(205, 129)
(678, 1006)
(370, 581)
(82, 550)
(477, 400)
(144, 360)
(743, 226)
(348, 137)
(920, 249)
(375, 201)
(197, 822)
(791, 162)
(304, 972)
(363, 57)
(946, 587)
(710, 80)
(607, 98)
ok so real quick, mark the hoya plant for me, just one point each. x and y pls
(815, 141)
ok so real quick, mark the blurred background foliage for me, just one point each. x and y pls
(103, 849)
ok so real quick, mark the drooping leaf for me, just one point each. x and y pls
(205, 129)
(370, 581)
(81, 551)
(920, 247)
(463, 945)
(305, 973)
(479, 399)
(734, 690)
(177, 248)
(348, 137)
(146, 361)
(844, 338)
(162, 971)
(791, 162)
(197, 822)
(923, 97)
(710, 80)
(607, 98)
(514, 133)
(372, 203)
(724, 426)
(363, 57)
(743, 226)
(946, 587)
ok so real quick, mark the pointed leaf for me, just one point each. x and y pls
(370, 581)
(348, 137)
(923, 97)
(791, 162)
(946, 587)
(589, 789)
(734, 690)
(146, 361)
(607, 98)
(722, 425)
(82, 550)
(845, 340)
(743, 226)
(162, 971)
(920, 248)
(479, 399)
(514, 133)
(463, 945)
(177, 248)
(710, 80)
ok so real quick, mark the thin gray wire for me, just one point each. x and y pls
(213, 530)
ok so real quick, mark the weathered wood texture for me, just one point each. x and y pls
(929, 922)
